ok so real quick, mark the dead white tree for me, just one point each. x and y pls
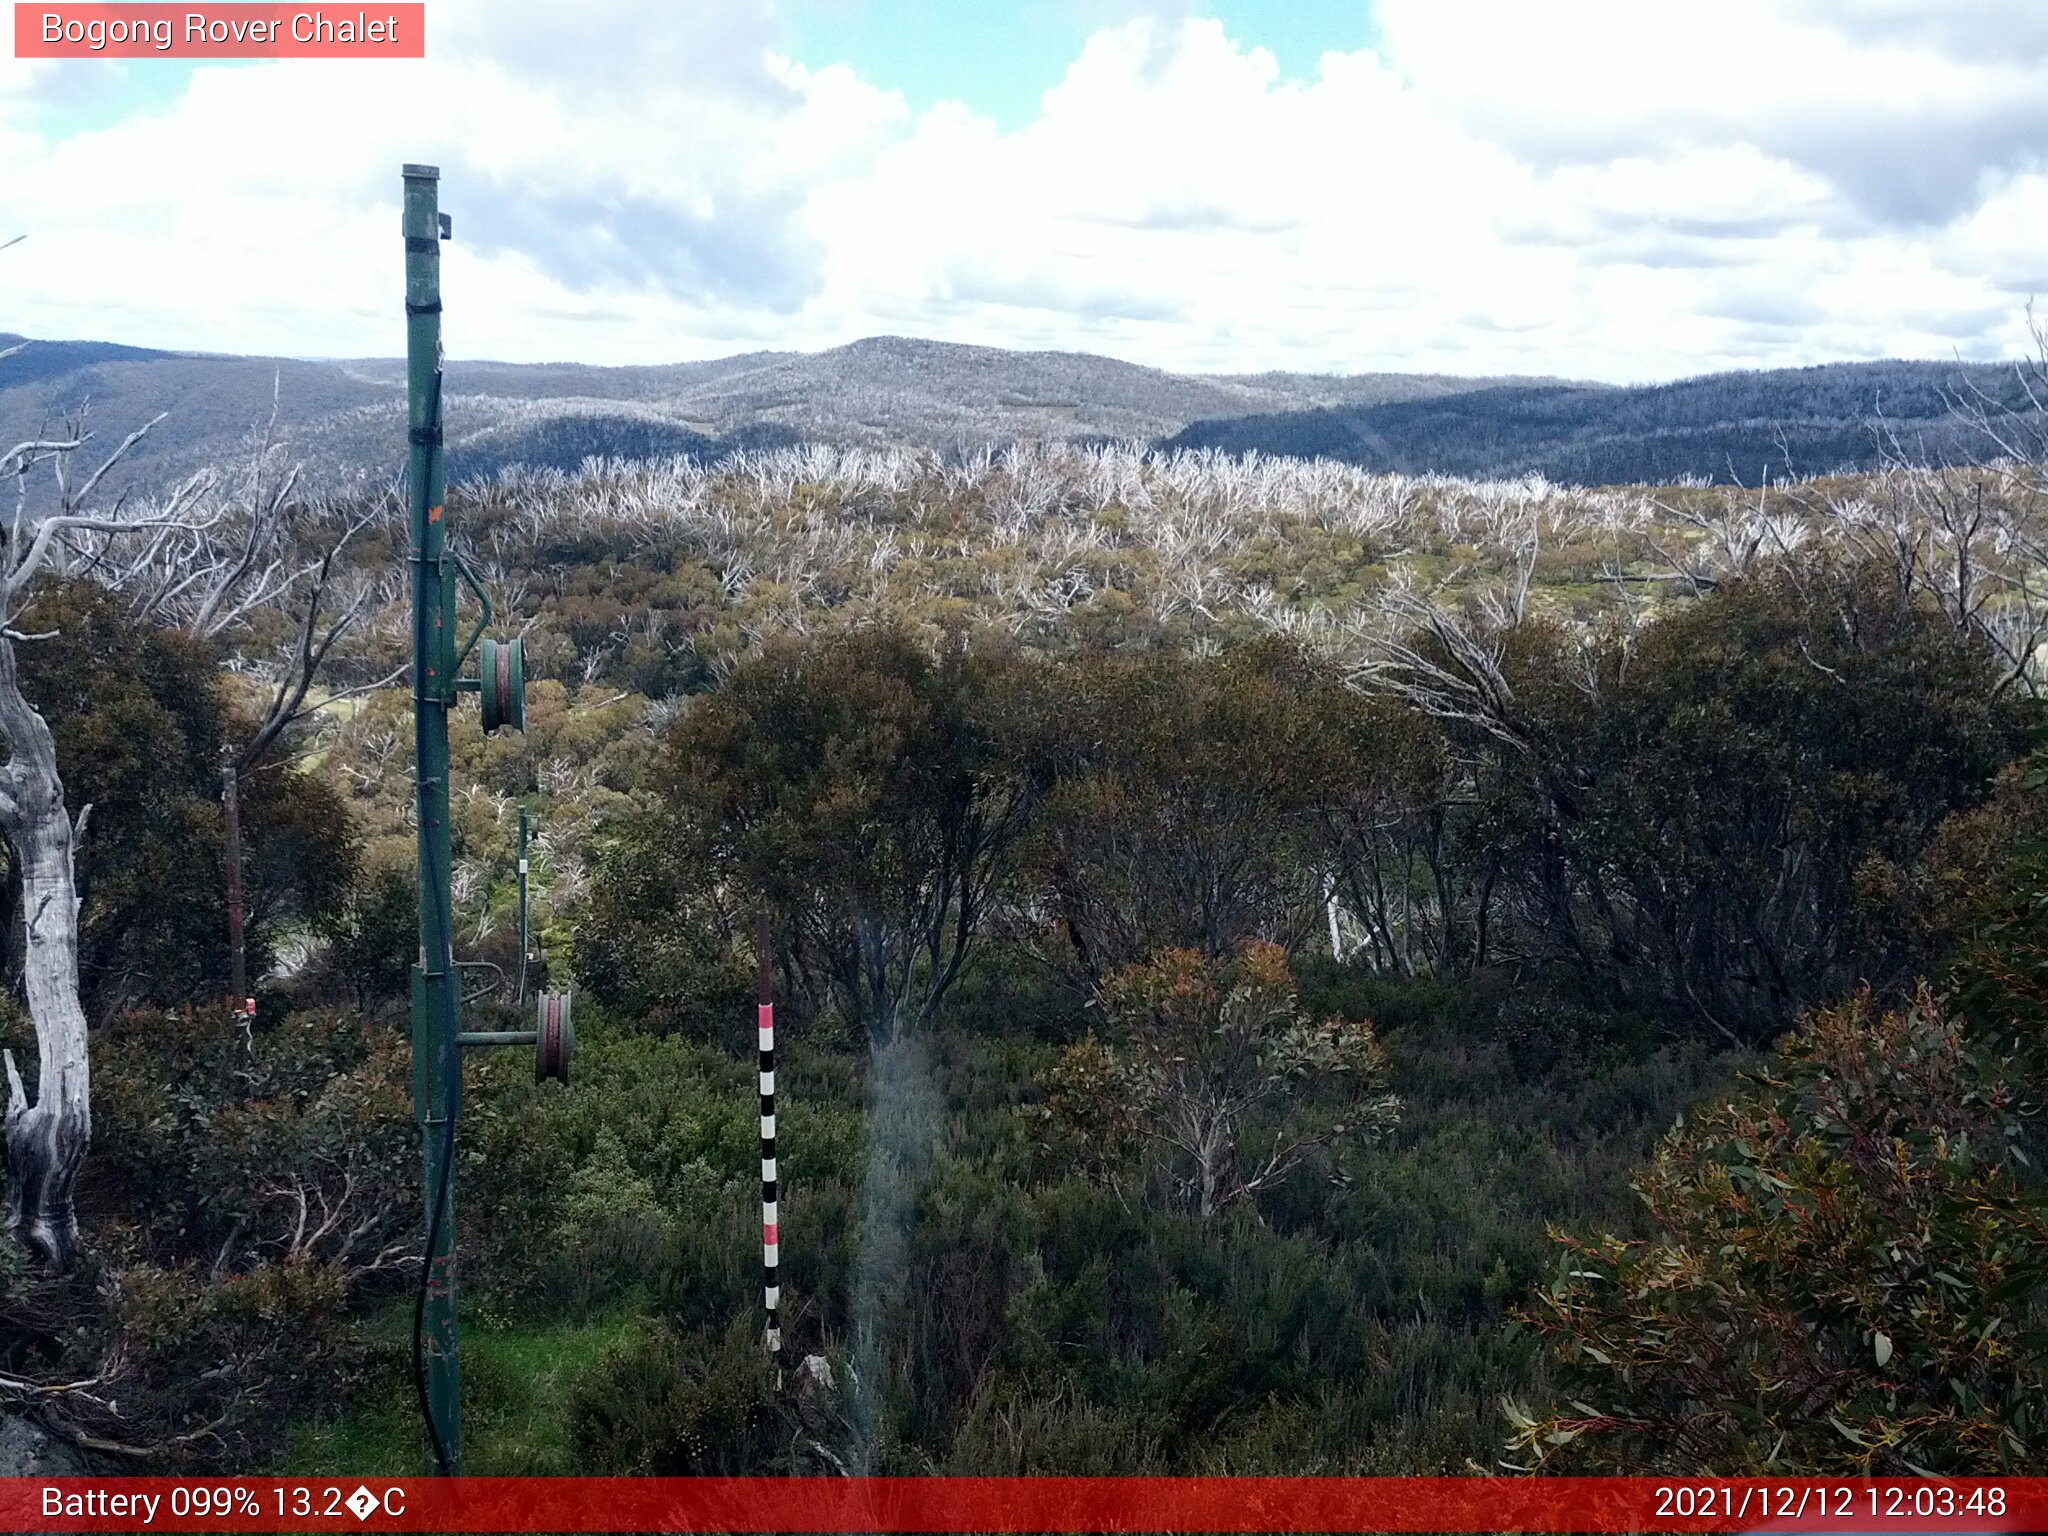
(267, 546)
(1448, 663)
(1972, 539)
(47, 1137)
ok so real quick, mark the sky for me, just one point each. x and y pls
(1601, 189)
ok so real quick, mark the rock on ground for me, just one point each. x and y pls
(29, 1450)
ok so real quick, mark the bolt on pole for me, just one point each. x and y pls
(437, 1069)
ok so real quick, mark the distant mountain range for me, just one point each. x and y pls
(347, 417)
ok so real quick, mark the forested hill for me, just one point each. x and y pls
(1730, 428)
(346, 417)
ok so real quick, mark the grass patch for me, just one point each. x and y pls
(516, 1384)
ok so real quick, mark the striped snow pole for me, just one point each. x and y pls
(771, 1289)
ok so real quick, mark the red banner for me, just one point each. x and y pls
(246, 31)
(1024, 1504)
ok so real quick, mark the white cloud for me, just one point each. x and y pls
(1898, 118)
(1591, 187)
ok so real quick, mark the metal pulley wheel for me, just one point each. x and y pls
(555, 1040)
(501, 684)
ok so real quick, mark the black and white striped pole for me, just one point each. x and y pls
(771, 1235)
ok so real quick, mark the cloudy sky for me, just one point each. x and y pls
(1599, 188)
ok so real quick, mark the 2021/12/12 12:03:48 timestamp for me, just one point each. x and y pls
(1791, 1503)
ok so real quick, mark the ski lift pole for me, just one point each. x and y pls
(437, 1068)
(437, 1035)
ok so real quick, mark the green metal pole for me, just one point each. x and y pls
(437, 1068)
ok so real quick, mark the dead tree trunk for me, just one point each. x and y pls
(46, 1140)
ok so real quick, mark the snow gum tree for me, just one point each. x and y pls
(191, 554)
(47, 1136)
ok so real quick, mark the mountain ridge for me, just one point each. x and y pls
(1740, 426)
(345, 416)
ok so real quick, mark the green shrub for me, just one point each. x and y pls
(651, 944)
(250, 1188)
(659, 1136)
(660, 1405)
(231, 1146)
(1215, 1075)
(373, 939)
(1847, 1273)
(209, 1367)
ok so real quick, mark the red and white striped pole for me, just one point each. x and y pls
(771, 1289)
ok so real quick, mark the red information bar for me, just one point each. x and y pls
(1025, 1504)
(381, 29)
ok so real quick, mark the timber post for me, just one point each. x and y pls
(231, 827)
